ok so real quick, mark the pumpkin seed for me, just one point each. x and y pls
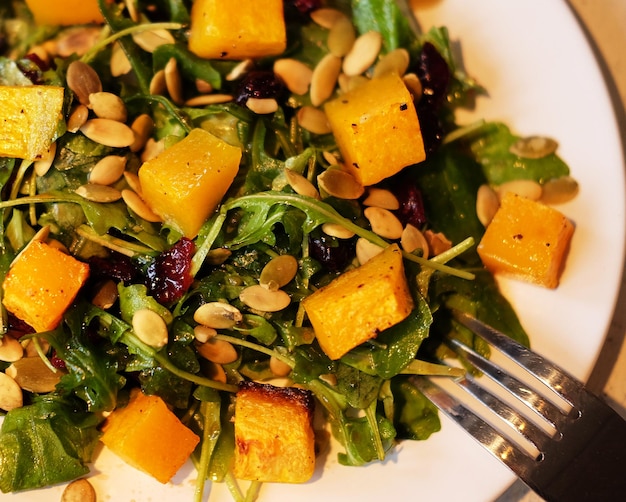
(414, 85)
(217, 351)
(326, 17)
(437, 242)
(348, 83)
(152, 148)
(340, 184)
(133, 12)
(10, 349)
(107, 105)
(313, 120)
(174, 81)
(32, 374)
(217, 315)
(77, 41)
(324, 79)
(534, 147)
(363, 53)
(82, 80)
(559, 190)
(11, 396)
(278, 367)
(108, 132)
(262, 106)
(133, 182)
(137, 205)
(142, 126)
(395, 61)
(341, 37)
(203, 333)
(278, 272)
(239, 70)
(77, 118)
(366, 250)
(296, 75)
(98, 193)
(260, 298)
(213, 371)
(337, 230)
(381, 197)
(301, 185)
(487, 203)
(150, 40)
(383, 222)
(524, 188)
(158, 86)
(79, 490)
(412, 240)
(331, 158)
(43, 165)
(209, 99)
(106, 295)
(150, 328)
(119, 62)
(203, 87)
(108, 170)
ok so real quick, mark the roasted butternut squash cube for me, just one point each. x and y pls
(224, 29)
(185, 183)
(29, 117)
(274, 437)
(147, 435)
(65, 12)
(377, 129)
(41, 284)
(526, 240)
(361, 303)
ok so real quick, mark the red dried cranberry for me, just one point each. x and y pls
(261, 84)
(32, 67)
(333, 254)
(434, 75)
(56, 361)
(169, 275)
(117, 266)
(297, 11)
(409, 196)
(17, 328)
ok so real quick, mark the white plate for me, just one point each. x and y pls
(543, 79)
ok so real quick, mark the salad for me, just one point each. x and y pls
(288, 203)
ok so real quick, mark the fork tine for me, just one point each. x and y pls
(512, 417)
(547, 372)
(520, 390)
(506, 451)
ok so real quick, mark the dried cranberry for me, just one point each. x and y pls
(169, 275)
(333, 254)
(16, 327)
(434, 75)
(260, 84)
(299, 10)
(431, 126)
(32, 66)
(117, 266)
(56, 361)
(306, 6)
(411, 209)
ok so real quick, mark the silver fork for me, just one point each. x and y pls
(563, 441)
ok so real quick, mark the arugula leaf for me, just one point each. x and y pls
(45, 443)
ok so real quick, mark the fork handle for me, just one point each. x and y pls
(597, 459)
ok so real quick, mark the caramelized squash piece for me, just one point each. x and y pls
(274, 437)
(225, 29)
(361, 303)
(185, 183)
(41, 284)
(526, 240)
(377, 129)
(147, 435)
(65, 12)
(29, 117)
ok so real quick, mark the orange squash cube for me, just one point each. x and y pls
(361, 303)
(274, 437)
(526, 240)
(224, 29)
(185, 183)
(65, 12)
(377, 129)
(147, 435)
(29, 117)
(41, 284)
